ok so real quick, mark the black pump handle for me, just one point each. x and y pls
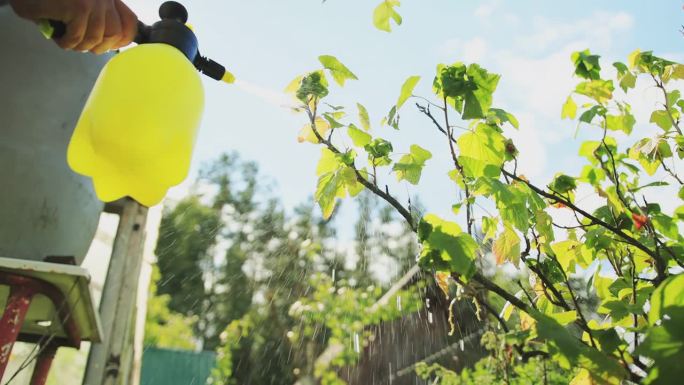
(169, 10)
(172, 10)
(59, 30)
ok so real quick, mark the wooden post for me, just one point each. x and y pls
(119, 294)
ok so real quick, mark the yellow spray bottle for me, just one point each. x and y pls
(137, 130)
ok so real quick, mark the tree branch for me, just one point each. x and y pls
(459, 167)
(659, 83)
(628, 239)
(403, 211)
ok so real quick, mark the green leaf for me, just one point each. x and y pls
(294, 85)
(627, 81)
(478, 102)
(563, 184)
(625, 76)
(384, 13)
(410, 166)
(589, 115)
(338, 70)
(568, 254)
(392, 118)
(332, 119)
(329, 188)
(647, 185)
(676, 71)
(482, 152)
(679, 140)
(507, 247)
(407, 90)
(665, 225)
(335, 180)
(312, 85)
(358, 137)
(599, 90)
(569, 110)
(347, 158)
(587, 150)
(586, 65)
(544, 225)
(328, 162)
(307, 134)
(511, 202)
(351, 183)
(624, 122)
(378, 148)
(621, 67)
(633, 59)
(446, 247)
(569, 352)
(592, 175)
(468, 89)
(497, 116)
(489, 226)
(564, 318)
(668, 295)
(673, 97)
(665, 343)
(363, 116)
(662, 119)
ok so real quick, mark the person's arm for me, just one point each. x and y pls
(91, 25)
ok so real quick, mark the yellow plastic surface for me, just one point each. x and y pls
(137, 130)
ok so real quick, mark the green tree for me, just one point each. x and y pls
(187, 234)
(384, 246)
(256, 349)
(203, 245)
(163, 327)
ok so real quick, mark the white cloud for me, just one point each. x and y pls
(489, 15)
(484, 11)
(528, 141)
(541, 85)
(597, 30)
(468, 51)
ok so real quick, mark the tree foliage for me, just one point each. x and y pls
(625, 257)
(236, 264)
(165, 328)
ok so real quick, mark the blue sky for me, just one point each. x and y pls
(267, 43)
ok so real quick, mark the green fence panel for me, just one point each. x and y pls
(176, 367)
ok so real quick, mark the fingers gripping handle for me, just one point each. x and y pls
(54, 29)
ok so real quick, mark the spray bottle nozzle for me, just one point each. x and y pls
(171, 30)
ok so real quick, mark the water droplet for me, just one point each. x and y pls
(430, 317)
(399, 302)
(357, 344)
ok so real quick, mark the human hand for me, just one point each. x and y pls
(91, 25)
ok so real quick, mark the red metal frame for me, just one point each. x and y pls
(42, 368)
(22, 291)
